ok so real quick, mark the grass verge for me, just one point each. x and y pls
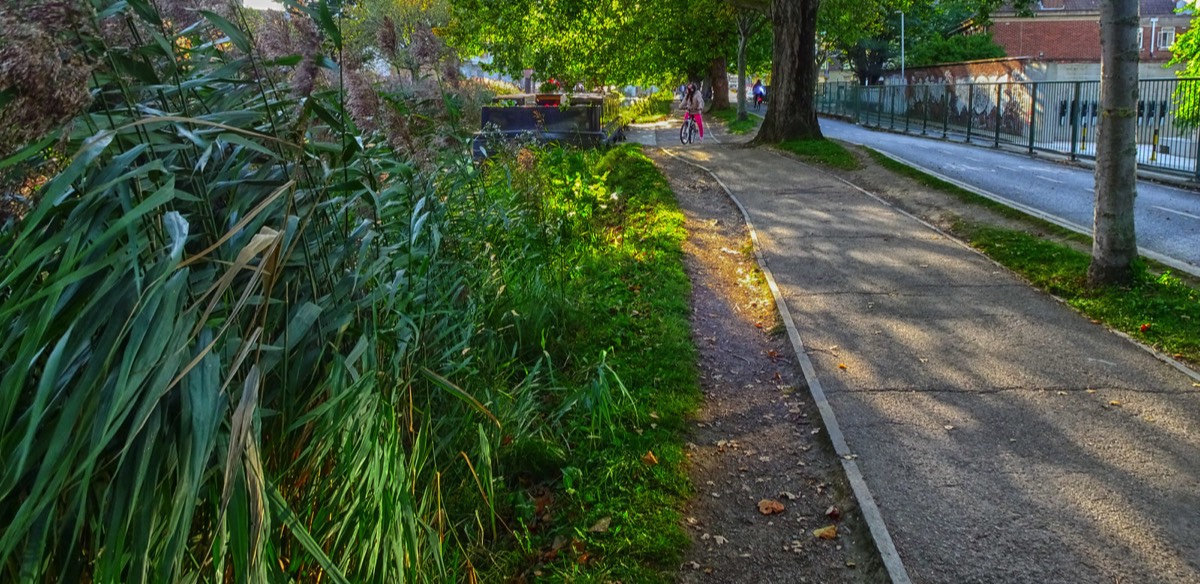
(653, 108)
(1158, 308)
(612, 513)
(968, 197)
(822, 151)
(734, 125)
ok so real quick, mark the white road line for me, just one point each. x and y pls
(1176, 212)
(1008, 168)
(1048, 179)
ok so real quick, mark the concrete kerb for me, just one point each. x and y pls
(862, 493)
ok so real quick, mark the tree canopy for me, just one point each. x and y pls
(596, 40)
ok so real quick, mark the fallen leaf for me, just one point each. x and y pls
(758, 325)
(841, 365)
(770, 507)
(948, 427)
(788, 495)
(833, 513)
(601, 526)
(827, 532)
(649, 458)
(1145, 327)
(1115, 403)
(720, 539)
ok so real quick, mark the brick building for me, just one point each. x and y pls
(1064, 35)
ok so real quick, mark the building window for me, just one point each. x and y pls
(1166, 37)
(1141, 33)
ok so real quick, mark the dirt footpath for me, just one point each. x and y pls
(764, 474)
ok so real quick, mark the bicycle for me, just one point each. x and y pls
(758, 100)
(688, 131)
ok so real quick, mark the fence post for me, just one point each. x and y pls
(999, 95)
(907, 107)
(1076, 106)
(970, 109)
(925, 107)
(1032, 116)
(945, 110)
(857, 104)
(893, 116)
(879, 108)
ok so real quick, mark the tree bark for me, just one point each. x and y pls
(1114, 242)
(793, 111)
(719, 73)
(748, 23)
(741, 65)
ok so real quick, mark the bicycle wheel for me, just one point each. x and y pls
(685, 135)
(692, 128)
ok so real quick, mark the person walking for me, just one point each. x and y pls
(693, 105)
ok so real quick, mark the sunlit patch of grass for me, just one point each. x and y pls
(639, 384)
(826, 152)
(734, 125)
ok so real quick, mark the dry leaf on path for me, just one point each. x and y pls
(770, 507)
(601, 526)
(833, 513)
(827, 532)
(1115, 403)
(841, 365)
(720, 539)
(649, 458)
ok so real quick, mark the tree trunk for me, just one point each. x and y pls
(741, 65)
(793, 111)
(1114, 243)
(748, 23)
(719, 73)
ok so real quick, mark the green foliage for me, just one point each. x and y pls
(869, 32)
(596, 41)
(1186, 51)
(954, 49)
(249, 335)
(825, 152)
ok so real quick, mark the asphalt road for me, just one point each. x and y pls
(1167, 218)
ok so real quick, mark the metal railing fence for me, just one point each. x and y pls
(1051, 116)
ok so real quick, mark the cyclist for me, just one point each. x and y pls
(693, 105)
(760, 93)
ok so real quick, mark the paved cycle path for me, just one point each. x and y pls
(1004, 437)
